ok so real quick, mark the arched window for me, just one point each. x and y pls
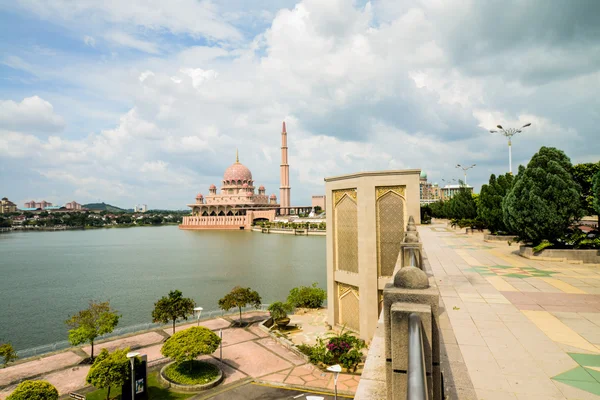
(205, 214)
(213, 214)
(229, 213)
(221, 214)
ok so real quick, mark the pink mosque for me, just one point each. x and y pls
(237, 206)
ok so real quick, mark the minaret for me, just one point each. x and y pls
(284, 189)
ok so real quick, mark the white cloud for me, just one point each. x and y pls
(125, 40)
(89, 41)
(198, 75)
(31, 114)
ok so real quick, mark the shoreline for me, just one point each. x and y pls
(289, 231)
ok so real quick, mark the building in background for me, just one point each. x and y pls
(37, 204)
(73, 206)
(284, 187)
(448, 191)
(7, 206)
(319, 201)
(429, 192)
(140, 208)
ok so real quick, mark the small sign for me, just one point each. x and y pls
(139, 386)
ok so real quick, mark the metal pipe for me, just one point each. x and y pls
(417, 380)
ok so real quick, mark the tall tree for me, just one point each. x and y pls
(596, 193)
(34, 390)
(173, 307)
(462, 205)
(240, 297)
(489, 208)
(544, 199)
(583, 175)
(8, 353)
(109, 369)
(96, 320)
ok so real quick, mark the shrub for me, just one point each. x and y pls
(188, 344)
(462, 205)
(34, 390)
(109, 369)
(279, 310)
(544, 199)
(351, 359)
(309, 297)
(240, 297)
(192, 372)
(489, 209)
(596, 195)
(7, 353)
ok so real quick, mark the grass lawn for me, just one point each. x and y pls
(155, 391)
(192, 372)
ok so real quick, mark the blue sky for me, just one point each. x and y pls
(146, 101)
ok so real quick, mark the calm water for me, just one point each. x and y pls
(47, 276)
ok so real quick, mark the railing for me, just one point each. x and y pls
(64, 344)
(417, 381)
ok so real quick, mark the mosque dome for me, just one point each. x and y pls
(199, 196)
(273, 196)
(237, 172)
(423, 175)
(261, 187)
(212, 186)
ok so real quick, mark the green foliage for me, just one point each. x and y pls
(190, 343)
(155, 391)
(544, 199)
(280, 310)
(192, 372)
(240, 297)
(7, 353)
(307, 296)
(489, 209)
(172, 307)
(96, 320)
(584, 175)
(426, 214)
(109, 369)
(462, 205)
(343, 348)
(351, 359)
(34, 390)
(543, 244)
(596, 193)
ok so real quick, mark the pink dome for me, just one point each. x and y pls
(213, 186)
(261, 187)
(237, 172)
(248, 194)
(273, 196)
(245, 185)
(199, 196)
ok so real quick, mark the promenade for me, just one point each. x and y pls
(514, 328)
(248, 354)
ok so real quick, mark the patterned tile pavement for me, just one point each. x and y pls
(520, 328)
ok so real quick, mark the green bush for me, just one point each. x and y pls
(462, 205)
(279, 310)
(544, 200)
(351, 359)
(192, 372)
(34, 390)
(190, 343)
(596, 196)
(308, 297)
(8, 353)
(489, 209)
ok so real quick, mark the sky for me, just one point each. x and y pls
(146, 101)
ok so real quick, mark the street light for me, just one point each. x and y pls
(509, 133)
(465, 170)
(131, 356)
(199, 309)
(336, 369)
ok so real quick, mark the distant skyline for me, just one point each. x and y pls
(146, 101)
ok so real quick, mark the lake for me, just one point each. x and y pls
(47, 276)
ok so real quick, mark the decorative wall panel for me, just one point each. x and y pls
(390, 212)
(345, 230)
(349, 311)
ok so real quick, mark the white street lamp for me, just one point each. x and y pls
(131, 356)
(336, 369)
(199, 310)
(509, 133)
(465, 170)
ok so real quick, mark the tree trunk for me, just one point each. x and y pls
(108, 393)
(173, 327)
(240, 316)
(92, 343)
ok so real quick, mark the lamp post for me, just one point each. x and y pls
(509, 133)
(336, 369)
(131, 356)
(465, 170)
(199, 309)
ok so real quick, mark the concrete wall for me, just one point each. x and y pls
(361, 278)
(577, 255)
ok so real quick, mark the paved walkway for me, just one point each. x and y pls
(521, 329)
(247, 353)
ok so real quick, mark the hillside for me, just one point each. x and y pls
(103, 207)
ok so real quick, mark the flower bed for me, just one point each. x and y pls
(200, 376)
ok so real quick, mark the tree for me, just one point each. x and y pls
(307, 296)
(34, 390)
(109, 369)
(544, 199)
(172, 307)
(318, 209)
(240, 297)
(596, 192)
(7, 353)
(489, 208)
(462, 205)
(188, 344)
(97, 320)
(583, 175)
